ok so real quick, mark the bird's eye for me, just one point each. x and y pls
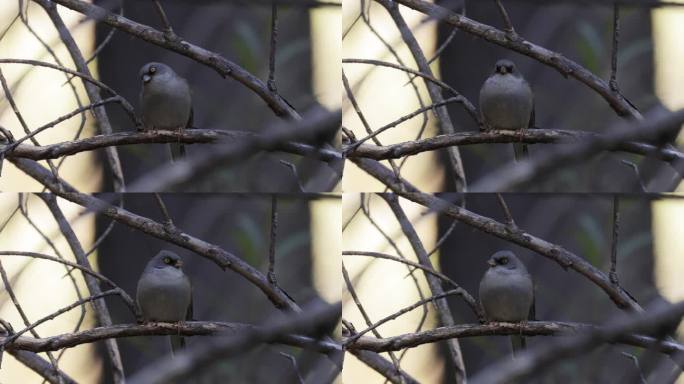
(153, 69)
(167, 260)
(504, 260)
(510, 68)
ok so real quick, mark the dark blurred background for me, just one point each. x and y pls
(240, 33)
(239, 224)
(582, 33)
(581, 224)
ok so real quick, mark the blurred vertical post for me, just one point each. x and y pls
(668, 214)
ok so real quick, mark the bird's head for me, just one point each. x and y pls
(165, 259)
(151, 71)
(505, 67)
(505, 260)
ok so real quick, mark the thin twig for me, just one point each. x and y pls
(162, 207)
(164, 19)
(272, 244)
(24, 317)
(507, 212)
(295, 174)
(271, 83)
(614, 53)
(364, 314)
(293, 361)
(506, 19)
(637, 174)
(614, 243)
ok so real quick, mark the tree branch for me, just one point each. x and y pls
(187, 328)
(211, 59)
(222, 258)
(517, 236)
(553, 59)
(186, 136)
(531, 328)
(530, 136)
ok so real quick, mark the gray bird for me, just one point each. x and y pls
(164, 292)
(165, 101)
(507, 102)
(507, 292)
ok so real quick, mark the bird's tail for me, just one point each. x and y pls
(177, 344)
(518, 344)
(520, 151)
(177, 151)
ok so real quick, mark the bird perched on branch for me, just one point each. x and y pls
(164, 293)
(165, 101)
(507, 293)
(507, 102)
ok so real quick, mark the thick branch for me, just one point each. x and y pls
(530, 136)
(315, 125)
(532, 328)
(512, 175)
(189, 361)
(188, 136)
(543, 356)
(190, 328)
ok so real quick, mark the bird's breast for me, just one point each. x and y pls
(506, 103)
(166, 104)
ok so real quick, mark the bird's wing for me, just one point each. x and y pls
(191, 118)
(532, 316)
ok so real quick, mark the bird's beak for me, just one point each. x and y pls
(504, 70)
(491, 263)
(146, 78)
(179, 263)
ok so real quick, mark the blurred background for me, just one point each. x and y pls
(307, 75)
(307, 267)
(649, 265)
(648, 75)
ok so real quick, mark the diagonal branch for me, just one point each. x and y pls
(213, 252)
(99, 305)
(445, 124)
(211, 59)
(532, 328)
(189, 328)
(553, 59)
(518, 236)
(92, 91)
(189, 136)
(441, 305)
